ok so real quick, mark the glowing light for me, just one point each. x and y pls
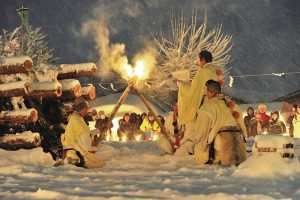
(138, 69)
(137, 138)
(107, 138)
(154, 137)
(124, 138)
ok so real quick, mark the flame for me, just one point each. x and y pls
(138, 69)
(124, 138)
(154, 137)
(137, 138)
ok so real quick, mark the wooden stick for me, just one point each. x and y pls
(163, 129)
(116, 108)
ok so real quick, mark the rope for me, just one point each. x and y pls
(271, 74)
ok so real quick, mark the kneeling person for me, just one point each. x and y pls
(77, 142)
(217, 132)
(216, 136)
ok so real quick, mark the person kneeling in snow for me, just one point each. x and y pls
(77, 139)
(216, 136)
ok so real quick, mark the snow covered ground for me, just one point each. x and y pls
(139, 170)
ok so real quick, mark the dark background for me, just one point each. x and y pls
(266, 33)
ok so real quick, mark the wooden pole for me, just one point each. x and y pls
(116, 108)
(163, 129)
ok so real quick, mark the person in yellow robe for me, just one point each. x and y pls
(191, 94)
(218, 128)
(77, 141)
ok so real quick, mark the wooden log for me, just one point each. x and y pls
(116, 108)
(20, 88)
(71, 89)
(22, 116)
(45, 90)
(14, 65)
(67, 71)
(26, 140)
(88, 92)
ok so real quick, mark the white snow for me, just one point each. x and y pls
(68, 84)
(67, 68)
(46, 72)
(14, 60)
(46, 85)
(274, 141)
(139, 170)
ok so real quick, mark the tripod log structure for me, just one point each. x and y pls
(129, 88)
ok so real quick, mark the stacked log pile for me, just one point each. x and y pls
(20, 84)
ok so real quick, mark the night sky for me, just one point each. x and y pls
(266, 33)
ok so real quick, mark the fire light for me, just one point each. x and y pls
(138, 137)
(136, 71)
(154, 137)
(124, 138)
(107, 138)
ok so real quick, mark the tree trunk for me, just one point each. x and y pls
(26, 140)
(76, 70)
(18, 116)
(14, 65)
(46, 90)
(71, 89)
(16, 89)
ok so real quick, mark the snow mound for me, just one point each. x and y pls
(268, 165)
(275, 141)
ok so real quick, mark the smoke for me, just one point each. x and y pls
(105, 24)
(111, 56)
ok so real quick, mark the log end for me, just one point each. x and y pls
(58, 91)
(28, 88)
(33, 116)
(28, 65)
(92, 93)
(77, 90)
(93, 71)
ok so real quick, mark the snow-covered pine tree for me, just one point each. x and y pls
(179, 49)
(36, 48)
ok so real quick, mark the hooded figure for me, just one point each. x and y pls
(276, 126)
